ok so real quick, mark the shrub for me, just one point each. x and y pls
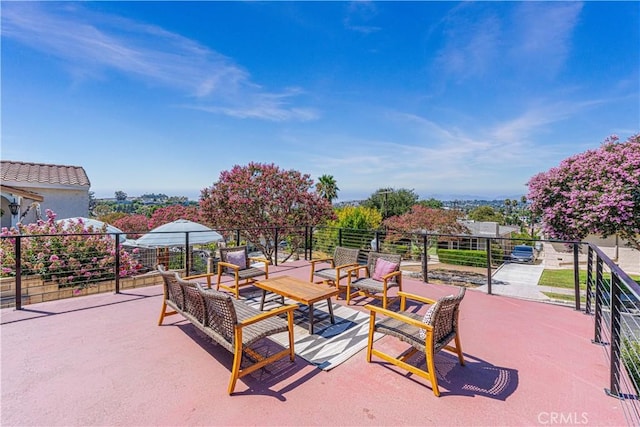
(631, 359)
(68, 254)
(473, 258)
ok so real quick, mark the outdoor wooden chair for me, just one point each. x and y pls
(236, 262)
(342, 260)
(428, 333)
(381, 273)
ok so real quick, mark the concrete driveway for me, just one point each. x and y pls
(517, 280)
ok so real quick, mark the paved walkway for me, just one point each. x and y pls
(518, 280)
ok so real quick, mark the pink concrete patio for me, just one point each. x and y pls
(102, 360)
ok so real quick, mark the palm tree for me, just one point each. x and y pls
(327, 187)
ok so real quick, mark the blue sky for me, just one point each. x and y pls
(448, 99)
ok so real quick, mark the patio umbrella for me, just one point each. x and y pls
(97, 226)
(174, 234)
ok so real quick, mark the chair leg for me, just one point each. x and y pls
(292, 354)
(459, 350)
(372, 324)
(431, 367)
(162, 312)
(237, 360)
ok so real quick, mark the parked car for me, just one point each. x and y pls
(522, 253)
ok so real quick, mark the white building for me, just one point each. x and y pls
(29, 189)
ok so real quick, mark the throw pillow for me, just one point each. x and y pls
(238, 258)
(426, 319)
(383, 267)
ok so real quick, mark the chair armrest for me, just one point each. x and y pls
(329, 260)
(258, 259)
(267, 314)
(357, 269)
(392, 274)
(208, 276)
(416, 298)
(399, 316)
(229, 265)
(340, 267)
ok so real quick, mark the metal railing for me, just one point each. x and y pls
(613, 298)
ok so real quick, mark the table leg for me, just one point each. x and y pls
(264, 293)
(333, 321)
(311, 319)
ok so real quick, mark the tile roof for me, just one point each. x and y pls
(43, 173)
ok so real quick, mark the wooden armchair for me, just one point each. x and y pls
(235, 262)
(342, 260)
(381, 273)
(428, 333)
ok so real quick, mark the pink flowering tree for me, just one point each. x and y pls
(259, 197)
(67, 254)
(595, 192)
(134, 225)
(171, 213)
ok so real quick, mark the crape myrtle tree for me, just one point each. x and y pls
(421, 219)
(135, 225)
(257, 198)
(595, 192)
(172, 213)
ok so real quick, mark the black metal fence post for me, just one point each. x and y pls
(117, 267)
(18, 273)
(576, 275)
(489, 265)
(238, 237)
(597, 339)
(310, 243)
(425, 259)
(339, 236)
(187, 254)
(587, 308)
(614, 368)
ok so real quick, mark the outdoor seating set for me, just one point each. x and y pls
(235, 325)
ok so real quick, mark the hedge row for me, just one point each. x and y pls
(472, 258)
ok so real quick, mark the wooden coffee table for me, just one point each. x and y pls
(301, 291)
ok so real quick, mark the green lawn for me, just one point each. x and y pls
(564, 278)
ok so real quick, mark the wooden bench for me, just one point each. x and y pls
(229, 322)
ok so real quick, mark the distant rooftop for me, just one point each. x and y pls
(42, 173)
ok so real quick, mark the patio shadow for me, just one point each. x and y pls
(263, 381)
(476, 378)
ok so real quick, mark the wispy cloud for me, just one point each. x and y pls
(359, 15)
(536, 38)
(472, 43)
(92, 44)
(541, 33)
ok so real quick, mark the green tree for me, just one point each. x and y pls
(431, 203)
(486, 213)
(391, 202)
(358, 218)
(327, 187)
(120, 195)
